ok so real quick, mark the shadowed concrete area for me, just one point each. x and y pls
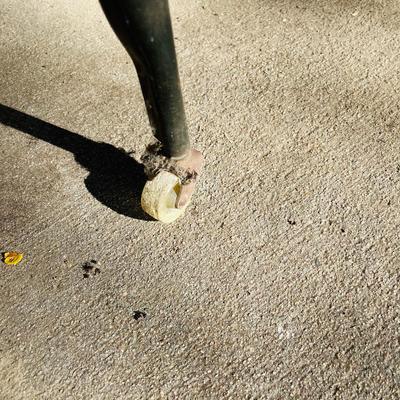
(115, 178)
(282, 280)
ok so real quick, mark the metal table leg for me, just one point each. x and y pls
(144, 28)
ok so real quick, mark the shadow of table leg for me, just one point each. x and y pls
(115, 178)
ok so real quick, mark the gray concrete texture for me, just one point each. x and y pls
(282, 280)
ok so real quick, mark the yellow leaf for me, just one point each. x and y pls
(12, 257)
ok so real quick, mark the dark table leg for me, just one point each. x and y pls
(144, 28)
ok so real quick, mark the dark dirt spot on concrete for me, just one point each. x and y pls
(138, 315)
(90, 269)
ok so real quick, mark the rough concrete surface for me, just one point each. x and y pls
(282, 280)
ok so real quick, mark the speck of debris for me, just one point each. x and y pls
(89, 268)
(138, 315)
(342, 230)
(291, 222)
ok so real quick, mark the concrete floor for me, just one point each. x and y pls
(281, 282)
